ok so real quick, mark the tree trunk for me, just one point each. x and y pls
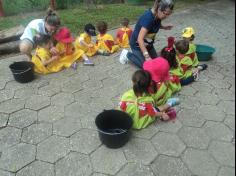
(53, 4)
(89, 4)
(1, 9)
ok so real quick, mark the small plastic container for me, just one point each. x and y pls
(204, 52)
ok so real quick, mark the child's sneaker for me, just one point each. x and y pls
(173, 101)
(88, 63)
(202, 67)
(74, 66)
(123, 56)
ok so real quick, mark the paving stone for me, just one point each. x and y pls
(49, 90)
(72, 87)
(230, 122)
(37, 102)
(200, 162)
(51, 114)
(4, 173)
(227, 106)
(13, 85)
(23, 118)
(6, 95)
(36, 133)
(83, 96)
(62, 99)
(97, 106)
(224, 94)
(218, 131)
(190, 118)
(168, 166)
(107, 161)
(223, 85)
(92, 85)
(37, 168)
(9, 136)
(168, 144)
(11, 106)
(222, 152)
(170, 126)
(25, 93)
(74, 164)
(211, 99)
(189, 102)
(88, 120)
(15, 158)
(85, 141)
(140, 150)
(3, 120)
(135, 169)
(194, 137)
(187, 91)
(146, 133)
(211, 113)
(98, 174)
(66, 126)
(227, 171)
(52, 149)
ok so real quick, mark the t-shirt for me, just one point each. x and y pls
(34, 27)
(148, 21)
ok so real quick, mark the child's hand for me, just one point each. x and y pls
(165, 116)
(53, 51)
(90, 45)
(56, 57)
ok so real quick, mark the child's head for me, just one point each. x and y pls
(188, 34)
(141, 82)
(182, 46)
(63, 35)
(169, 53)
(90, 29)
(102, 27)
(42, 40)
(125, 22)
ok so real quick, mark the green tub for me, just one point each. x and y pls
(204, 52)
(136, 2)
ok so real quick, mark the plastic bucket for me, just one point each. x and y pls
(23, 71)
(204, 52)
(114, 128)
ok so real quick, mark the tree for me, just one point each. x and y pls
(89, 4)
(53, 4)
(1, 9)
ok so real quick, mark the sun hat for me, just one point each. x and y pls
(90, 29)
(158, 68)
(188, 32)
(64, 35)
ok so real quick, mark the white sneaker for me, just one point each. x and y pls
(123, 56)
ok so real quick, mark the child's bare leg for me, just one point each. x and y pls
(87, 61)
(164, 108)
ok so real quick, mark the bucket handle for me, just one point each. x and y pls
(22, 72)
(123, 131)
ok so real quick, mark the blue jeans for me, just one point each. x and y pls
(137, 58)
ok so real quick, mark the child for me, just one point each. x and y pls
(123, 34)
(139, 104)
(190, 73)
(84, 41)
(159, 70)
(66, 50)
(105, 42)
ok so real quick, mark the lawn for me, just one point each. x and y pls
(75, 18)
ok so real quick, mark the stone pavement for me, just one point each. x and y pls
(47, 126)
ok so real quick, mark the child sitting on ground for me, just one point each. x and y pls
(123, 34)
(84, 41)
(140, 105)
(66, 50)
(105, 42)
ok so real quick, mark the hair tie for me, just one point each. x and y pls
(168, 49)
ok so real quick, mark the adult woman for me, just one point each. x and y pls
(145, 31)
(47, 26)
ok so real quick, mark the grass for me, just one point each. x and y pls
(75, 18)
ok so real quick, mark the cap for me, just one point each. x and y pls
(188, 32)
(64, 35)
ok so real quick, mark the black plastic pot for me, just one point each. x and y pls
(114, 128)
(23, 71)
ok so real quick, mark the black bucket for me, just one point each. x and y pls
(114, 128)
(23, 71)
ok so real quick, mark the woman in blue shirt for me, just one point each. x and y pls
(145, 31)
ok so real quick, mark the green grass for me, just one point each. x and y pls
(75, 18)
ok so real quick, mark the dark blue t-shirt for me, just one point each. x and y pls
(148, 21)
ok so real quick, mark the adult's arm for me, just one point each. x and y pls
(143, 32)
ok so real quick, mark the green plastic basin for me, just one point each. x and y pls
(204, 52)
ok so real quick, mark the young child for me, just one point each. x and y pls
(190, 72)
(140, 105)
(66, 50)
(105, 42)
(159, 70)
(84, 41)
(123, 34)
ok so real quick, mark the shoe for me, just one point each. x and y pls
(123, 56)
(202, 67)
(173, 101)
(104, 53)
(88, 63)
(74, 66)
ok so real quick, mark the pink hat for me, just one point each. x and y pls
(63, 35)
(158, 68)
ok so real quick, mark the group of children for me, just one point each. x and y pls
(161, 78)
(68, 51)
